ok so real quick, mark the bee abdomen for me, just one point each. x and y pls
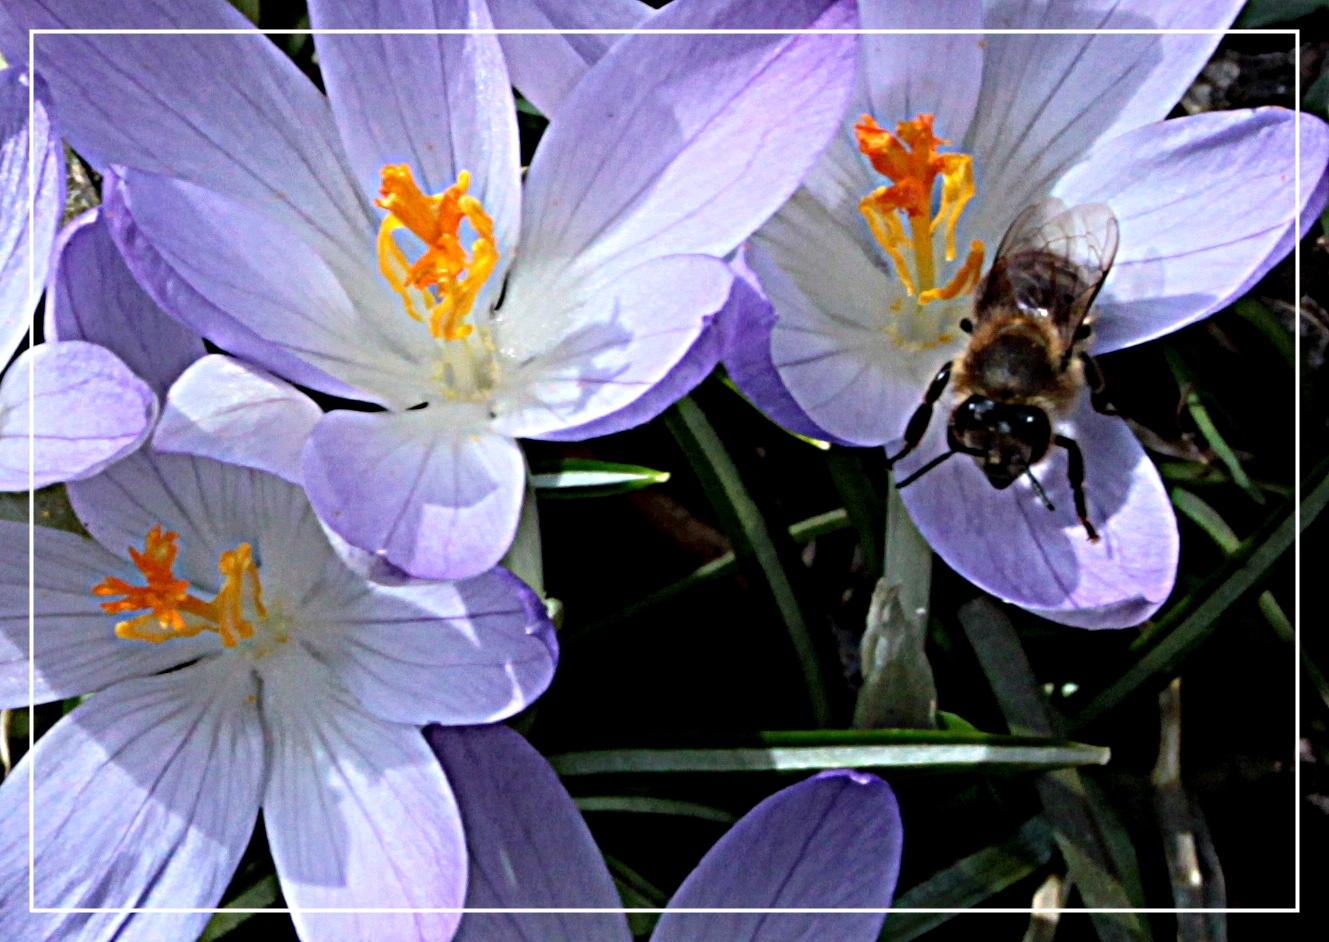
(1013, 366)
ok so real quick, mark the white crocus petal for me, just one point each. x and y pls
(352, 329)
(77, 650)
(226, 409)
(156, 781)
(358, 812)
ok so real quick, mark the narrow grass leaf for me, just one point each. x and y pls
(643, 804)
(262, 895)
(584, 477)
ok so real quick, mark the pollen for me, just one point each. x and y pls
(910, 159)
(172, 610)
(441, 286)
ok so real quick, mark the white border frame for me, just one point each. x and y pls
(1297, 495)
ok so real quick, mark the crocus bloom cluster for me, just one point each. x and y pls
(378, 243)
(873, 265)
(67, 410)
(239, 664)
(832, 841)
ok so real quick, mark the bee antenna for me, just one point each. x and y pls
(1038, 488)
(923, 470)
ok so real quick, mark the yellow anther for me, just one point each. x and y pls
(909, 159)
(173, 611)
(965, 280)
(441, 286)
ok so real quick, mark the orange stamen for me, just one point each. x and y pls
(169, 601)
(443, 283)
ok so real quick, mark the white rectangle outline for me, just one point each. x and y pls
(1296, 604)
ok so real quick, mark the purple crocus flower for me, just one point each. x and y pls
(832, 841)
(474, 309)
(867, 312)
(238, 664)
(67, 410)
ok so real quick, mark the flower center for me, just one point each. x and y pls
(909, 159)
(174, 612)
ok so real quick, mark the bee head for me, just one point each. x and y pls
(1005, 440)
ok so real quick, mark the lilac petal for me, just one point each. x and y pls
(842, 369)
(1008, 544)
(250, 127)
(358, 812)
(528, 845)
(68, 410)
(677, 144)
(441, 104)
(1049, 99)
(433, 489)
(20, 246)
(909, 75)
(228, 410)
(474, 651)
(77, 650)
(146, 796)
(212, 263)
(612, 344)
(718, 335)
(546, 68)
(831, 841)
(212, 506)
(1202, 203)
(13, 42)
(747, 357)
(94, 297)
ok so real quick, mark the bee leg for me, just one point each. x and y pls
(1076, 474)
(1098, 396)
(918, 422)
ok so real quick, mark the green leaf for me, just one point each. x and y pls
(583, 477)
(923, 750)
(525, 557)
(866, 508)
(1205, 423)
(262, 895)
(970, 881)
(1265, 12)
(249, 8)
(641, 804)
(1204, 516)
(1086, 830)
(1189, 622)
(746, 528)
(1263, 320)
(733, 387)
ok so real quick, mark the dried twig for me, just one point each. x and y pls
(1048, 900)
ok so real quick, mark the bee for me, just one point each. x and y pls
(1026, 363)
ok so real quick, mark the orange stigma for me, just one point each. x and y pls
(909, 159)
(172, 611)
(441, 286)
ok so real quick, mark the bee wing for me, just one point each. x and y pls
(1053, 260)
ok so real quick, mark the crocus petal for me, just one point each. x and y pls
(623, 339)
(257, 130)
(146, 797)
(212, 506)
(747, 358)
(909, 75)
(1048, 99)
(77, 650)
(433, 489)
(474, 651)
(846, 373)
(1202, 203)
(20, 245)
(441, 104)
(719, 334)
(94, 297)
(674, 144)
(832, 841)
(528, 845)
(545, 68)
(226, 409)
(358, 812)
(211, 262)
(67, 410)
(13, 42)
(1008, 544)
